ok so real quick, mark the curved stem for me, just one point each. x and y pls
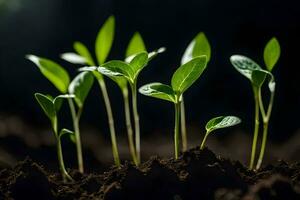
(183, 126)
(204, 140)
(64, 173)
(129, 126)
(110, 122)
(136, 122)
(256, 128)
(76, 118)
(176, 129)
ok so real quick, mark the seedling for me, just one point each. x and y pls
(257, 76)
(182, 79)
(219, 123)
(197, 47)
(79, 87)
(103, 45)
(51, 106)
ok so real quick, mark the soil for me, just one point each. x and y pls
(197, 174)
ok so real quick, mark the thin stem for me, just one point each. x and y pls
(183, 126)
(176, 129)
(64, 173)
(110, 122)
(136, 122)
(256, 128)
(129, 126)
(76, 118)
(204, 140)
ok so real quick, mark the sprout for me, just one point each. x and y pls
(197, 47)
(79, 87)
(182, 79)
(51, 107)
(257, 76)
(219, 123)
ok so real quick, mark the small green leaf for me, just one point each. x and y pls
(199, 46)
(221, 122)
(73, 58)
(57, 101)
(105, 39)
(158, 90)
(139, 61)
(117, 68)
(258, 77)
(56, 74)
(65, 131)
(136, 45)
(271, 53)
(47, 105)
(188, 73)
(83, 51)
(244, 65)
(80, 87)
(154, 53)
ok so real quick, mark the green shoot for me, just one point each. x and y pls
(182, 79)
(257, 76)
(51, 107)
(219, 123)
(197, 47)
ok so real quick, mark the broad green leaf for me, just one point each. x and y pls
(117, 68)
(258, 77)
(139, 61)
(80, 87)
(136, 45)
(56, 74)
(158, 90)
(73, 58)
(57, 101)
(188, 73)
(47, 105)
(199, 46)
(271, 53)
(154, 53)
(221, 122)
(105, 39)
(83, 51)
(65, 131)
(244, 65)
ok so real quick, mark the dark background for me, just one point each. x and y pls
(49, 27)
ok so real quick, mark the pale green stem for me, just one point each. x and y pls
(110, 122)
(256, 128)
(176, 129)
(136, 122)
(129, 126)
(76, 118)
(204, 140)
(183, 126)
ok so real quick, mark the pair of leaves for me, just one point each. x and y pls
(182, 79)
(221, 122)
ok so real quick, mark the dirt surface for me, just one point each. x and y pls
(196, 175)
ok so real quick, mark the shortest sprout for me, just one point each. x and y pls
(218, 123)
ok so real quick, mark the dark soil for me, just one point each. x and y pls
(196, 175)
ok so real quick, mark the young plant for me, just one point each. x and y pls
(197, 47)
(257, 76)
(182, 79)
(219, 123)
(51, 106)
(79, 87)
(103, 46)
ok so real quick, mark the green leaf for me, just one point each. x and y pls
(199, 46)
(80, 87)
(221, 122)
(258, 77)
(271, 53)
(136, 45)
(57, 101)
(154, 53)
(244, 65)
(56, 74)
(47, 105)
(139, 61)
(117, 68)
(105, 39)
(73, 58)
(83, 51)
(65, 131)
(188, 73)
(158, 90)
